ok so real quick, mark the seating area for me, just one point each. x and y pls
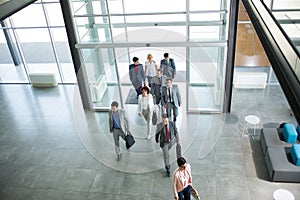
(281, 151)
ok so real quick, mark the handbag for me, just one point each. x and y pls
(178, 150)
(154, 118)
(194, 193)
(129, 140)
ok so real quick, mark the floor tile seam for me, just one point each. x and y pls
(28, 187)
(126, 195)
(44, 147)
(51, 165)
(229, 153)
(256, 178)
(39, 175)
(54, 166)
(26, 165)
(94, 181)
(54, 190)
(122, 184)
(153, 182)
(58, 188)
(233, 136)
(238, 176)
(150, 191)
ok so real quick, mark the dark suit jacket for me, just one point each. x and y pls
(136, 78)
(168, 69)
(161, 133)
(175, 95)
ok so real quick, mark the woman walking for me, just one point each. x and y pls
(182, 180)
(150, 70)
(145, 107)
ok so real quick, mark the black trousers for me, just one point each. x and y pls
(185, 194)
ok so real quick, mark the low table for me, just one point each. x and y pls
(253, 120)
(283, 194)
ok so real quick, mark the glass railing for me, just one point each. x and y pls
(282, 40)
(287, 17)
(280, 49)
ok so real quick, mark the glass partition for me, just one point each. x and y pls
(8, 71)
(42, 60)
(102, 76)
(211, 6)
(206, 78)
(287, 15)
(40, 40)
(193, 33)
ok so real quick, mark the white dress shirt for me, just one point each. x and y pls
(151, 68)
(145, 102)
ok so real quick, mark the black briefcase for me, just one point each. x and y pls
(178, 150)
(129, 139)
(154, 118)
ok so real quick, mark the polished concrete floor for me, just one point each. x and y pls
(50, 148)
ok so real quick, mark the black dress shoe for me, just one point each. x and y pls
(119, 157)
(168, 173)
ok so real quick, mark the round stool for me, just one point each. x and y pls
(253, 120)
(283, 194)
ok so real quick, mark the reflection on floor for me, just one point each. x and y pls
(50, 148)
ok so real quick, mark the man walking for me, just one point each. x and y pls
(136, 75)
(166, 135)
(118, 125)
(171, 98)
(158, 81)
(167, 65)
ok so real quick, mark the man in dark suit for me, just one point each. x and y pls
(136, 75)
(166, 135)
(157, 82)
(167, 65)
(118, 125)
(171, 98)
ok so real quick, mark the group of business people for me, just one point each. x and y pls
(159, 96)
(153, 72)
(166, 136)
(159, 79)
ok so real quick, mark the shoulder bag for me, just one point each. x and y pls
(129, 140)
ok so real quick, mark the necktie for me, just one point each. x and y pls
(167, 134)
(170, 99)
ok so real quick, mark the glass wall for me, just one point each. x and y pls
(10, 72)
(205, 78)
(287, 15)
(250, 56)
(249, 53)
(38, 34)
(193, 33)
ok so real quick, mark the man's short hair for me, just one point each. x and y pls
(169, 78)
(159, 70)
(166, 55)
(164, 116)
(180, 161)
(114, 103)
(134, 59)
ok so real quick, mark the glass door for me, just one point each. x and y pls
(205, 86)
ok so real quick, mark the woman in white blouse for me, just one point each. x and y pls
(150, 69)
(145, 107)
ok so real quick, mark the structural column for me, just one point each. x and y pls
(78, 65)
